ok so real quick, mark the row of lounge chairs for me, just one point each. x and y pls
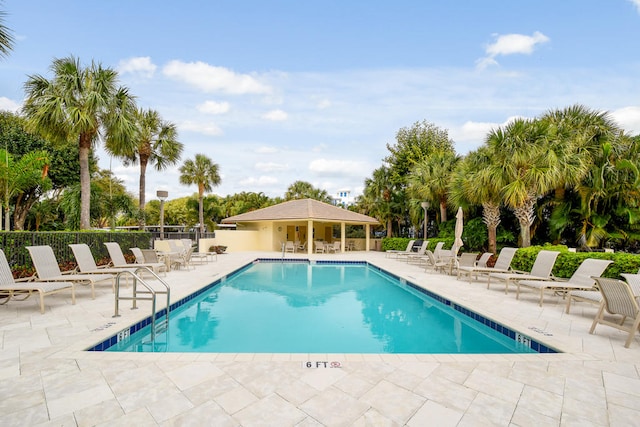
(49, 279)
(438, 259)
(616, 297)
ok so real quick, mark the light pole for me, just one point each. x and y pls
(162, 195)
(425, 206)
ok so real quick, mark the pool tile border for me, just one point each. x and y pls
(504, 330)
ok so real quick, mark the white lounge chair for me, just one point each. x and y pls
(448, 258)
(617, 299)
(433, 263)
(20, 291)
(48, 270)
(200, 257)
(502, 265)
(87, 264)
(484, 259)
(414, 256)
(118, 259)
(466, 259)
(594, 295)
(394, 252)
(141, 260)
(540, 270)
(581, 279)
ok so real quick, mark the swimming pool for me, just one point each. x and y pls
(300, 307)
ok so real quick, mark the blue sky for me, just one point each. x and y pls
(279, 91)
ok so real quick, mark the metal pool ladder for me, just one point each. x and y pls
(150, 291)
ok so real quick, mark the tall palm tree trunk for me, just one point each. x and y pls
(443, 210)
(491, 217)
(141, 190)
(85, 182)
(525, 213)
(201, 207)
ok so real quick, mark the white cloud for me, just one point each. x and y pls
(140, 66)
(510, 44)
(332, 167)
(214, 79)
(636, 3)
(472, 134)
(325, 103)
(473, 131)
(212, 107)
(266, 150)
(7, 104)
(271, 166)
(628, 117)
(276, 115)
(203, 128)
(261, 181)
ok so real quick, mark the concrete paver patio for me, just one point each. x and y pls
(47, 379)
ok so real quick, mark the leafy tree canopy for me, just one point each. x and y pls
(415, 143)
(305, 190)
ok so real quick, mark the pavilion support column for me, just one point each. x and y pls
(309, 236)
(343, 239)
(367, 233)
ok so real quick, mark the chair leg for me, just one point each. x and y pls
(41, 294)
(568, 306)
(541, 297)
(598, 317)
(633, 331)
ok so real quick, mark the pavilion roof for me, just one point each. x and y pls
(303, 209)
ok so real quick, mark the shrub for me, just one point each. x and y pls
(448, 242)
(568, 262)
(474, 235)
(395, 243)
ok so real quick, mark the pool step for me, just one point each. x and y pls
(162, 326)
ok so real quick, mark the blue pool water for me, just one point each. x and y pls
(276, 307)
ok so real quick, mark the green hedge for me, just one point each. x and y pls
(400, 243)
(395, 243)
(567, 262)
(14, 244)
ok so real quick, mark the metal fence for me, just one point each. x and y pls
(14, 244)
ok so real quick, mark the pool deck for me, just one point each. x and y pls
(47, 379)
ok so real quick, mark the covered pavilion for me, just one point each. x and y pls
(301, 221)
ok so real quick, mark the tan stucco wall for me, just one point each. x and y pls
(205, 244)
(237, 240)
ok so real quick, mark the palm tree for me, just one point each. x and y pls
(157, 145)
(82, 104)
(18, 176)
(521, 157)
(430, 176)
(379, 199)
(6, 38)
(304, 190)
(471, 184)
(577, 135)
(204, 173)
